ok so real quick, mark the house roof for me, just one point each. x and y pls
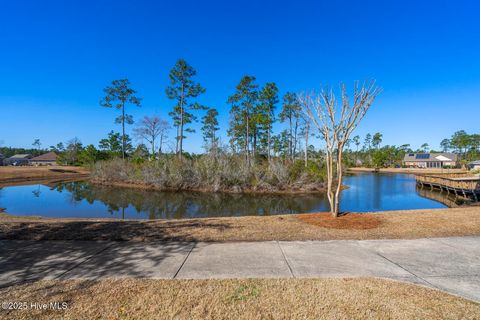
(429, 157)
(21, 156)
(49, 156)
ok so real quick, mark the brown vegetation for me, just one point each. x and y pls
(407, 224)
(238, 299)
(213, 173)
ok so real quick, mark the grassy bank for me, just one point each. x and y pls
(10, 175)
(239, 299)
(408, 224)
(223, 173)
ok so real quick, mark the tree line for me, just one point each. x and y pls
(252, 115)
(369, 152)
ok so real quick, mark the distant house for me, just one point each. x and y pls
(18, 160)
(430, 160)
(474, 165)
(47, 159)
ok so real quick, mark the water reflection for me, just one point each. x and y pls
(176, 205)
(450, 200)
(366, 192)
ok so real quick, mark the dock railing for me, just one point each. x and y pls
(457, 181)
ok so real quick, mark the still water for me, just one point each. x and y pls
(366, 192)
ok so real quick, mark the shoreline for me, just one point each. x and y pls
(26, 175)
(400, 224)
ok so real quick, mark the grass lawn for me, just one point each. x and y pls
(361, 298)
(410, 224)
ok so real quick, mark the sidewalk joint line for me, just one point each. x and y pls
(184, 261)
(398, 265)
(82, 262)
(285, 258)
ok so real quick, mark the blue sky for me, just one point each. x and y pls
(57, 56)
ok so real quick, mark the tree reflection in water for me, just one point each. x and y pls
(176, 205)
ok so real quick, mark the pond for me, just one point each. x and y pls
(366, 192)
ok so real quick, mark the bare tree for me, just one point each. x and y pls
(151, 128)
(335, 125)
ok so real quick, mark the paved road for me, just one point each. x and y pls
(449, 264)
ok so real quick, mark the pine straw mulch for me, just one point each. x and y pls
(343, 221)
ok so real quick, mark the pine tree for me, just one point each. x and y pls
(243, 102)
(209, 129)
(377, 140)
(291, 113)
(182, 88)
(118, 95)
(113, 144)
(266, 117)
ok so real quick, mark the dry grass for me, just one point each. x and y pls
(239, 299)
(409, 224)
(10, 175)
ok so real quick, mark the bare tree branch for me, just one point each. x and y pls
(336, 126)
(151, 128)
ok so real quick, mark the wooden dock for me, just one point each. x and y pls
(459, 184)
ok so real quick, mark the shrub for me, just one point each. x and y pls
(213, 173)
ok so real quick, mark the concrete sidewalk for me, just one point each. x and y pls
(449, 264)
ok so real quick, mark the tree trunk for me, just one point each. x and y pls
(295, 140)
(254, 147)
(177, 138)
(160, 147)
(290, 153)
(247, 151)
(356, 157)
(268, 147)
(307, 127)
(181, 121)
(330, 193)
(123, 130)
(153, 147)
(245, 147)
(339, 181)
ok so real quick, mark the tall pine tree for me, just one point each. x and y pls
(118, 95)
(244, 102)
(268, 100)
(209, 129)
(182, 89)
(291, 113)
